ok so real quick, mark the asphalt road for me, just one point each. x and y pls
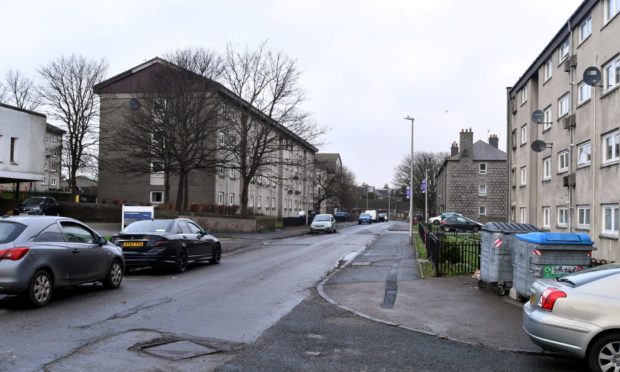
(218, 308)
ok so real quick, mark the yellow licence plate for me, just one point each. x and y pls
(133, 244)
(532, 298)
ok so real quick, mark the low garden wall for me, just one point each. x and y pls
(234, 224)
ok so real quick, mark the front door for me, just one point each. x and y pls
(88, 260)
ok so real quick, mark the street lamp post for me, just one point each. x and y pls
(411, 183)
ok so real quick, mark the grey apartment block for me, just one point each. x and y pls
(472, 180)
(572, 183)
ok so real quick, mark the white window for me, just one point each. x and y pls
(548, 118)
(251, 201)
(585, 29)
(523, 176)
(611, 9)
(232, 173)
(611, 74)
(53, 181)
(514, 138)
(583, 215)
(546, 169)
(611, 147)
(546, 217)
(524, 134)
(231, 199)
(273, 203)
(563, 161)
(483, 211)
(482, 190)
(610, 219)
(220, 170)
(564, 51)
(258, 202)
(267, 201)
(548, 70)
(220, 198)
(584, 154)
(562, 216)
(44, 181)
(563, 105)
(524, 94)
(482, 168)
(157, 197)
(585, 92)
(522, 215)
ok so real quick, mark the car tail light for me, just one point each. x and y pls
(13, 254)
(548, 298)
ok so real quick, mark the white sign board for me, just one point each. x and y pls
(136, 213)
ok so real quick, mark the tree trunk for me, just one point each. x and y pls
(166, 186)
(180, 188)
(186, 192)
(244, 195)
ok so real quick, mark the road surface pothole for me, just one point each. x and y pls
(175, 348)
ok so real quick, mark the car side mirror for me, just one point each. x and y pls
(101, 241)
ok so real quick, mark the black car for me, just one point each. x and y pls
(458, 223)
(174, 243)
(41, 205)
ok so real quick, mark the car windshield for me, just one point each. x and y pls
(591, 274)
(364, 215)
(33, 201)
(148, 226)
(9, 231)
(322, 217)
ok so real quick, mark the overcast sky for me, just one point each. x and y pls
(366, 64)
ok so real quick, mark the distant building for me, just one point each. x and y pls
(473, 179)
(53, 158)
(327, 167)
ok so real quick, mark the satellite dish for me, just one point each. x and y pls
(539, 146)
(134, 104)
(592, 76)
(538, 117)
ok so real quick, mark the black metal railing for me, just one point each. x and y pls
(451, 254)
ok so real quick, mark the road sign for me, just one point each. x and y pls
(423, 187)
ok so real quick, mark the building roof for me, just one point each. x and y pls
(328, 161)
(106, 86)
(22, 110)
(484, 151)
(53, 129)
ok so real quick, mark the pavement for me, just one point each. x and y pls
(383, 283)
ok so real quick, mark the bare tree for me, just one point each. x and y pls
(422, 162)
(346, 192)
(21, 91)
(67, 92)
(4, 94)
(177, 117)
(268, 113)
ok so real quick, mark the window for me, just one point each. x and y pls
(563, 161)
(482, 168)
(49, 234)
(44, 181)
(546, 169)
(251, 201)
(548, 70)
(522, 215)
(585, 29)
(564, 51)
(258, 202)
(524, 134)
(523, 176)
(610, 219)
(562, 216)
(546, 217)
(157, 197)
(273, 203)
(231, 199)
(584, 154)
(53, 181)
(611, 147)
(13, 143)
(482, 190)
(514, 138)
(74, 233)
(548, 118)
(232, 173)
(513, 172)
(483, 211)
(267, 202)
(220, 198)
(524, 94)
(583, 213)
(585, 92)
(563, 105)
(220, 170)
(611, 74)
(611, 9)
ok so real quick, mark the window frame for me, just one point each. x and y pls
(581, 99)
(615, 147)
(563, 51)
(482, 190)
(548, 70)
(563, 158)
(587, 216)
(546, 217)
(611, 69)
(563, 105)
(155, 192)
(546, 169)
(607, 12)
(231, 198)
(523, 215)
(523, 133)
(562, 217)
(613, 231)
(482, 211)
(548, 118)
(523, 181)
(580, 148)
(221, 198)
(523, 94)
(583, 36)
(482, 171)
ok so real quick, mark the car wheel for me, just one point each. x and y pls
(604, 353)
(181, 263)
(115, 275)
(475, 229)
(40, 289)
(435, 222)
(217, 255)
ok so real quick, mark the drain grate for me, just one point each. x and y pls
(177, 348)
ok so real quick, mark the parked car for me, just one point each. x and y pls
(175, 243)
(458, 223)
(437, 219)
(323, 223)
(41, 254)
(383, 217)
(342, 216)
(40, 205)
(578, 314)
(364, 218)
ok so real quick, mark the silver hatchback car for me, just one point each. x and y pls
(39, 254)
(578, 314)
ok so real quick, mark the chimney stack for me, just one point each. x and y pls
(466, 142)
(454, 150)
(494, 140)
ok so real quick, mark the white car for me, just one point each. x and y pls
(324, 223)
(437, 219)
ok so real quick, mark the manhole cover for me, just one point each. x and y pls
(178, 350)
